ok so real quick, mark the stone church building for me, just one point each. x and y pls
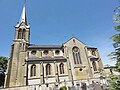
(31, 64)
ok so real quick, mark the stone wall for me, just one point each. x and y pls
(78, 85)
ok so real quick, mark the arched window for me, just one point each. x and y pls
(23, 34)
(20, 34)
(61, 66)
(33, 70)
(76, 55)
(93, 53)
(48, 69)
(94, 66)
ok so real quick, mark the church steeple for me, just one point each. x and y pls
(16, 72)
(22, 31)
(23, 18)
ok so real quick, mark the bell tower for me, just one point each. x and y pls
(22, 28)
(16, 73)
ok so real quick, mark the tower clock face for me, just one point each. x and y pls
(116, 15)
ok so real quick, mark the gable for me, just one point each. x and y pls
(74, 42)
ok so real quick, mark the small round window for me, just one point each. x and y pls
(75, 49)
(93, 52)
(57, 52)
(45, 52)
(33, 52)
(80, 69)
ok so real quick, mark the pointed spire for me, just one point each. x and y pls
(23, 18)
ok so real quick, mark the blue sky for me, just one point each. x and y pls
(55, 21)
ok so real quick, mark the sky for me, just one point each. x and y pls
(56, 21)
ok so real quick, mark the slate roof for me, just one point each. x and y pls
(33, 46)
(107, 67)
(91, 47)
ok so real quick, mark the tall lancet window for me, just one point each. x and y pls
(33, 70)
(48, 69)
(61, 66)
(94, 66)
(76, 55)
(21, 34)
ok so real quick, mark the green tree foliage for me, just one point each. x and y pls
(3, 62)
(116, 44)
(114, 83)
(115, 79)
(3, 67)
(63, 88)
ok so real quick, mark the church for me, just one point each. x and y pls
(71, 62)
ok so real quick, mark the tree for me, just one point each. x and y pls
(3, 67)
(63, 88)
(115, 79)
(3, 62)
(116, 44)
(114, 83)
